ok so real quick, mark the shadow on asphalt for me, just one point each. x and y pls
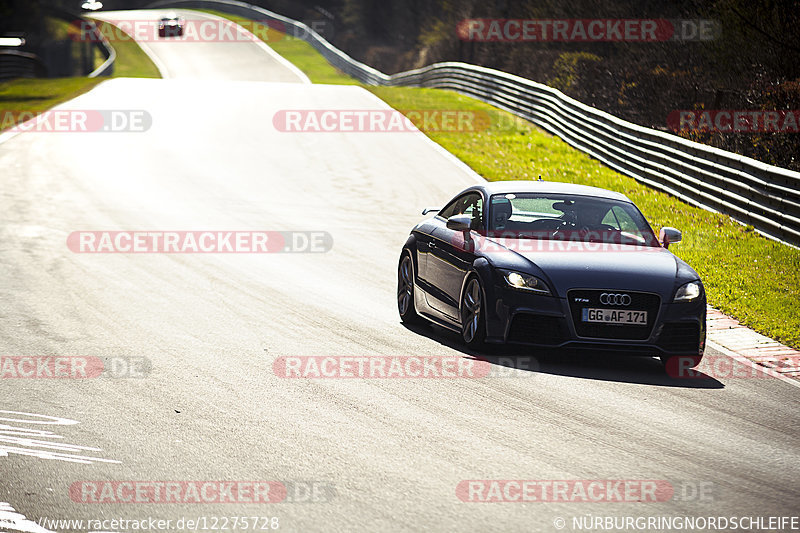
(603, 366)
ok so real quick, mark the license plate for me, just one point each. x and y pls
(614, 316)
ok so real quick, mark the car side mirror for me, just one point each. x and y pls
(669, 235)
(459, 222)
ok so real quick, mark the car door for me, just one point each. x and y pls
(450, 260)
(424, 236)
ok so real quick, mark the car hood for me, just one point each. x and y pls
(589, 266)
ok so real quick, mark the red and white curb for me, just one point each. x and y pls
(742, 342)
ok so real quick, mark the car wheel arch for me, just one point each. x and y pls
(481, 269)
(410, 247)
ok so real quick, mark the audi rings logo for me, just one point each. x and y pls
(609, 298)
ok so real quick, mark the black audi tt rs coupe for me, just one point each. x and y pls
(551, 265)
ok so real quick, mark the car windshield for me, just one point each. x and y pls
(568, 217)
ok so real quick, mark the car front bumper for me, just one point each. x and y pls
(519, 317)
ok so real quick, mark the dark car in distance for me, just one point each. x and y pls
(552, 265)
(170, 25)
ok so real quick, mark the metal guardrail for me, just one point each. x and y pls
(107, 67)
(99, 40)
(17, 64)
(755, 193)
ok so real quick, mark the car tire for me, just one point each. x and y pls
(472, 312)
(405, 290)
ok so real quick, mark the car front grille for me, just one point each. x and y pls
(681, 337)
(640, 301)
(537, 329)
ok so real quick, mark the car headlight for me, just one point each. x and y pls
(688, 292)
(525, 282)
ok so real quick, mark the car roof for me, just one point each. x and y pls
(557, 187)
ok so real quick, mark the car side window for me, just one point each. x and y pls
(611, 219)
(470, 204)
(620, 220)
(473, 206)
(450, 209)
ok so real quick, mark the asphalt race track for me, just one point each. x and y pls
(354, 454)
(207, 52)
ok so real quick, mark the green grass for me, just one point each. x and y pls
(311, 62)
(747, 276)
(34, 95)
(131, 61)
